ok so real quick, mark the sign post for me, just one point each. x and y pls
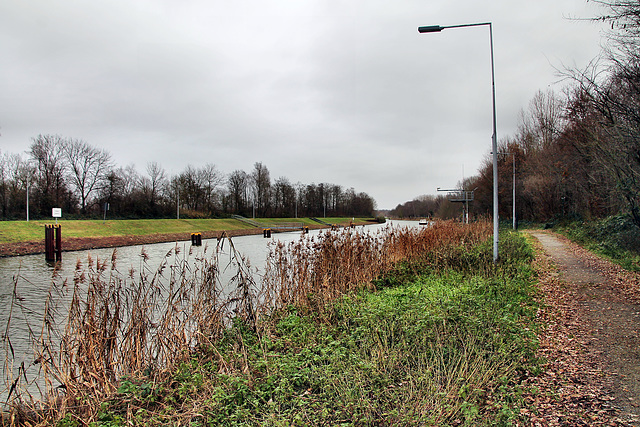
(56, 213)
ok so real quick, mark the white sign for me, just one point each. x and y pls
(56, 212)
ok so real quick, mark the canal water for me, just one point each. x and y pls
(26, 281)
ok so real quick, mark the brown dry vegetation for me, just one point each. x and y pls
(313, 271)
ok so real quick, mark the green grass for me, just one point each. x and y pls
(33, 231)
(428, 348)
(615, 238)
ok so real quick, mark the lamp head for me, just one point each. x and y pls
(430, 29)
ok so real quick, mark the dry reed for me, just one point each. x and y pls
(108, 324)
(313, 271)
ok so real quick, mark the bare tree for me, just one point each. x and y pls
(624, 17)
(237, 188)
(211, 179)
(610, 134)
(116, 191)
(156, 181)
(284, 197)
(74, 175)
(4, 184)
(261, 183)
(542, 122)
(21, 176)
(47, 155)
(606, 105)
(191, 187)
(88, 168)
(335, 199)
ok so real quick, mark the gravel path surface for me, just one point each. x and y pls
(593, 342)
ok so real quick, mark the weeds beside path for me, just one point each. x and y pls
(591, 342)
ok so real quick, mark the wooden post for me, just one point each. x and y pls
(58, 229)
(48, 243)
(53, 242)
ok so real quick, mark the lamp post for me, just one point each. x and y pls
(494, 138)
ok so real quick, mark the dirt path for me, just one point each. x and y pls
(597, 306)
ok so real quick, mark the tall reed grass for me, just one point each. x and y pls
(107, 324)
(314, 271)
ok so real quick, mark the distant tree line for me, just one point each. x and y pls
(81, 179)
(426, 206)
(576, 153)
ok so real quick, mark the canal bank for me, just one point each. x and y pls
(83, 235)
(29, 285)
(295, 365)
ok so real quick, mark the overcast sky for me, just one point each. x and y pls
(339, 91)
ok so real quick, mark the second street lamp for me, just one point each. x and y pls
(494, 138)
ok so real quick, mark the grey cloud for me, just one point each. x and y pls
(345, 92)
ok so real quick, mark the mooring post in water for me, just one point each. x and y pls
(196, 239)
(48, 243)
(305, 229)
(58, 242)
(52, 242)
(266, 232)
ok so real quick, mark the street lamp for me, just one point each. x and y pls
(494, 138)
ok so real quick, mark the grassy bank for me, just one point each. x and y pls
(432, 334)
(33, 231)
(616, 238)
(446, 348)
